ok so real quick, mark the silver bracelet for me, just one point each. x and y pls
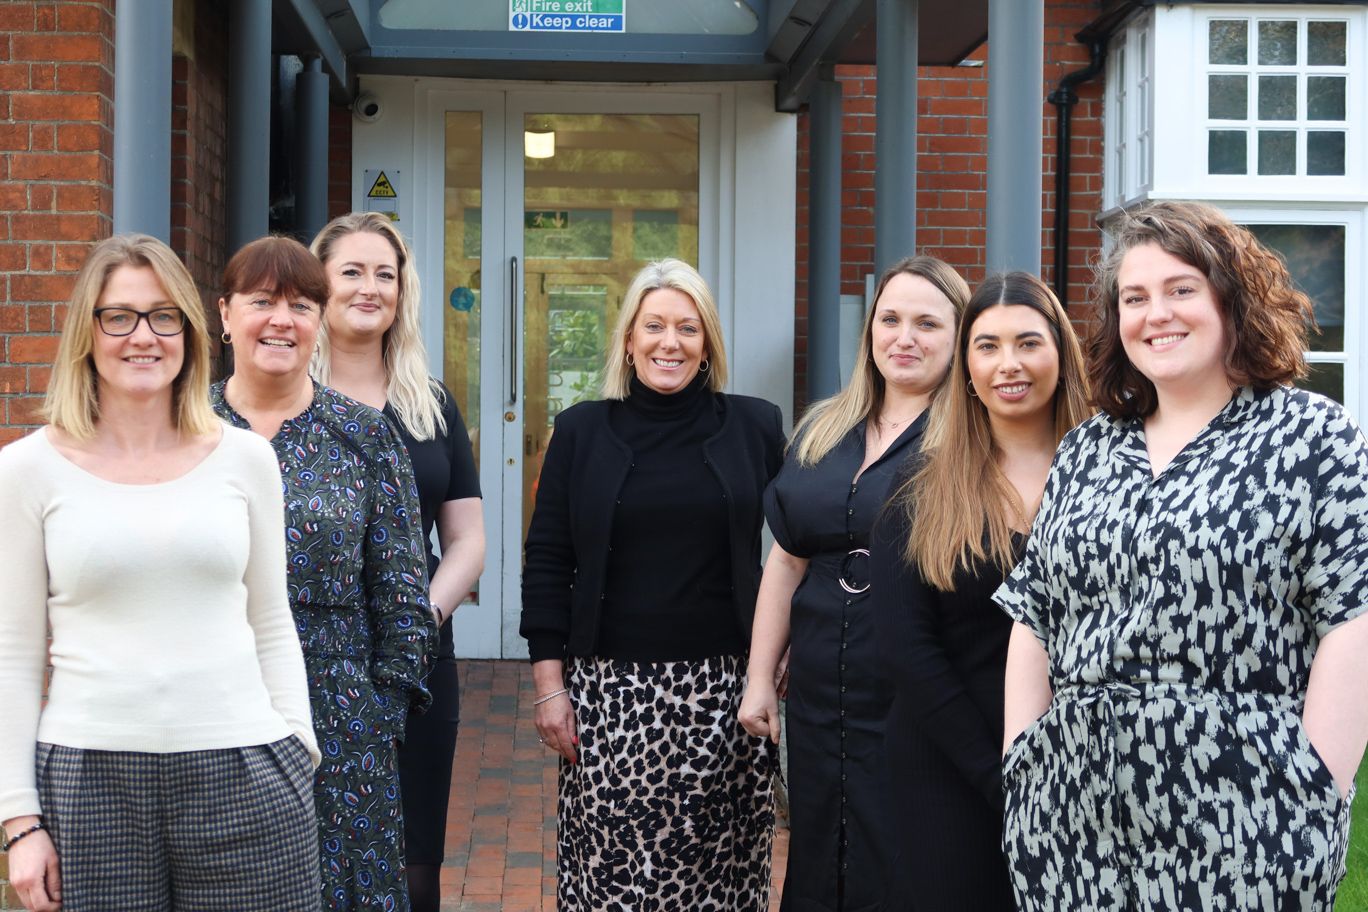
(551, 696)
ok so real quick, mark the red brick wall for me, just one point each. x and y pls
(199, 129)
(56, 181)
(952, 149)
(339, 161)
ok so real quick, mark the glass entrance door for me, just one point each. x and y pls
(552, 202)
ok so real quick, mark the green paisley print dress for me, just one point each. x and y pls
(357, 583)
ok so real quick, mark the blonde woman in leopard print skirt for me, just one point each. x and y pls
(643, 561)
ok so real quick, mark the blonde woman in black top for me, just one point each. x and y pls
(643, 559)
(370, 348)
(955, 526)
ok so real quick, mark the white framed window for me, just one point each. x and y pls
(1128, 113)
(1249, 102)
(1277, 90)
(1325, 250)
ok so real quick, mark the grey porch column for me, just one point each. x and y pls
(895, 140)
(249, 121)
(1016, 95)
(824, 239)
(311, 191)
(142, 118)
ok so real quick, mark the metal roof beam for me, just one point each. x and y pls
(301, 28)
(842, 21)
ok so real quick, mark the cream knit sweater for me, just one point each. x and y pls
(171, 629)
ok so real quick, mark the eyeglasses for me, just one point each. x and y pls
(123, 321)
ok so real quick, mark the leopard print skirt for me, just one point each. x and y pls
(670, 805)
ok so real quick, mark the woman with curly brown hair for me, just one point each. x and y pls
(1184, 709)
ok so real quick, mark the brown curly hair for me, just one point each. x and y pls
(1266, 318)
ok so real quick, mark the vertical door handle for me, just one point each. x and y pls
(513, 330)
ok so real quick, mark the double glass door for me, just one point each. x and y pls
(551, 202)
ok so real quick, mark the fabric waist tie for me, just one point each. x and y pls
(1105, 701)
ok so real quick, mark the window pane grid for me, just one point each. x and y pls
(1277, 96)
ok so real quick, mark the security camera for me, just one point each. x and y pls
(367, 108)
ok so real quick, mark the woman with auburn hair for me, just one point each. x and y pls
(1185, 680)
(815, 591)
(643, 559)
(357, 579)
(147, 537)
(1017, 387)
(370, 348)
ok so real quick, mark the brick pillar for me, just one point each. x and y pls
(339, 161)
(56, 182)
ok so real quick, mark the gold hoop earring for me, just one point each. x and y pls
(973, 394)
(703, 368)
(226, 337)
(630, 360)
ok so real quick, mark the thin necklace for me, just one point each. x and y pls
(894, 424)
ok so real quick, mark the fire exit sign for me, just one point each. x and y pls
(574, 16)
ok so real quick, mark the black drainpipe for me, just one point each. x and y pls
(1064, 99)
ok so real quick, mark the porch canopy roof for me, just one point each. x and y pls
(665, 40)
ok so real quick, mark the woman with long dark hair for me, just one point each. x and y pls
(955, 526)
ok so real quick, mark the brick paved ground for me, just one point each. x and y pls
(501, 832)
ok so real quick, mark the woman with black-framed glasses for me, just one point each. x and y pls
(148, 537)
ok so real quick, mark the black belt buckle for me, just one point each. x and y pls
(850, 582)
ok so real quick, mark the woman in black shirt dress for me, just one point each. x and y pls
(643, 559)
(1017, 385)
(371, 349)
(814, 598)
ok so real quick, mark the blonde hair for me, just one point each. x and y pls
(829, 420)
(417, 397)
(73, 403)
(960, 492)
(666, 273)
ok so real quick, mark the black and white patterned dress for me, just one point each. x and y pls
(1181, 614)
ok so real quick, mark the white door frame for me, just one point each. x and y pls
(486, 631)
(748, 162)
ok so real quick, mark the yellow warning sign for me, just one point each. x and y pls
(382, 189)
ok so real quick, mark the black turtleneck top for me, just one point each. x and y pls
(667, 585)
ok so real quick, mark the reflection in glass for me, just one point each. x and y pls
(570, 234)
(1315, 255)
(1278, 42)
(655, 234)
(1325, 43)
(1326, 378)
(1325, 152)
(1228, 96)
(460, 295)
(1227, 152)
(1277, 97)
(620, 190)
(1325, 97)
(1277, 152)
(1228, 42)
